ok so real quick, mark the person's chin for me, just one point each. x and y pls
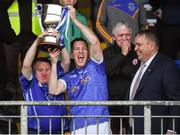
(80, 65)
(139, 57)
(44, 82)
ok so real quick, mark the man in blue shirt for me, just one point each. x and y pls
(86, 82)
(33, 80)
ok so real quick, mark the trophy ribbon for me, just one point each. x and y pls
(64, 24)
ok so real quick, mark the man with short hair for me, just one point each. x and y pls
(82, 83)
(157, 79)
(34, 82)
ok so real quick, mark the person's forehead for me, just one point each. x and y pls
(80, 44)
(42, 65)
(123, 30)
(140, 37)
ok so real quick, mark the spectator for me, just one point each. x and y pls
(82, 83)
(110, 12)
(120, 61)
(168, 26)
(33, 80)
(159, 81)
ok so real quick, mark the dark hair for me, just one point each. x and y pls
(78, 39)
(40, 59)
(150, 35)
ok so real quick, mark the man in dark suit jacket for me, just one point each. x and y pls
(160, 81)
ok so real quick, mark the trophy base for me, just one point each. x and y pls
(44, 46)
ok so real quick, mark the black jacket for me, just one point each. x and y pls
(160, 82)
(119, 69)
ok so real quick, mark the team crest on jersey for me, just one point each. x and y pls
(74, 89)
(85, 80)
(131, 6)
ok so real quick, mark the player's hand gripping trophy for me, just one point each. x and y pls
(52, 17)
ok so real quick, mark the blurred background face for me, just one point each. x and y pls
(68, 2)
(123, 37)
(42, 72)
(142, 48)
(80, 53)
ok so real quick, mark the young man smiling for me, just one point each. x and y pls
(82, 83)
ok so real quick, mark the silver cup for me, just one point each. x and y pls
(50, 15)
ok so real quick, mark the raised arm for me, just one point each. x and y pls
(95, 48)
(55, 86)
(65, 61)
(28, 60)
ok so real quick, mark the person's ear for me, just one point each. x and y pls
(152, 45)
(113, 38)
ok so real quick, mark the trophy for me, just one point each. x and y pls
(52, 17)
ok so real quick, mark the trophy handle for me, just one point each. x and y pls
(38, 9)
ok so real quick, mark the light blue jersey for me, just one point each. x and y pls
(87, 84)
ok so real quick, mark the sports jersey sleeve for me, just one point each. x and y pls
(99, 65)
(25, 84)
(64, 79)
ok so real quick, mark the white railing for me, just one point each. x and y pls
(146, 104)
